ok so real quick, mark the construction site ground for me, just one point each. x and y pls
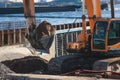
(18, 51)
(50, 77)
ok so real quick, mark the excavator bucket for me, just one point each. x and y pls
(40, 37)
(43, 36)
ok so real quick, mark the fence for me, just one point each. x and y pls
(16, 35)
(62, 38)
(13, 32)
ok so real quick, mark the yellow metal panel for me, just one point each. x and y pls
(98, 8)
(90, 9)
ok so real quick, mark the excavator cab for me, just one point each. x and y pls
(106, 35)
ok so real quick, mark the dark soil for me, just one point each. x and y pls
(29, 64)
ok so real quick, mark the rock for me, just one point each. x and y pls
(4, 70)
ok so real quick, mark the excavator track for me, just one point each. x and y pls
(68, 63)
(110, 64)
(64, 64)
(90, 61)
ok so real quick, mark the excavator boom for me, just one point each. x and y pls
(94, 11)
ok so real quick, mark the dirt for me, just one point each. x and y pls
(26, 65)
(29, 64)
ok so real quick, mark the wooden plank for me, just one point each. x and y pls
(22, 35)
(64, 26)
(2, 37)
(14, 36)
(8, 33)
(11, 36)
(20, 40)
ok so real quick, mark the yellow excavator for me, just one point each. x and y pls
(97, 50)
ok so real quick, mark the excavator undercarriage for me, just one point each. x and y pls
(109, 61)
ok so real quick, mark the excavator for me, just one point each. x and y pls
(97, 50)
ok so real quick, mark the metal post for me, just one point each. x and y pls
(76, 37)
(84, 23)
(112, 9)
(56, 45)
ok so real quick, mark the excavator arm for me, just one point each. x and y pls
(29, 13)
(41, 36)
(93, 10)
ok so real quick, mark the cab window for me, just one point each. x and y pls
(99, 35)
(114, 33)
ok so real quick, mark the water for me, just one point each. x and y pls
(20, 17)
(54, 18)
